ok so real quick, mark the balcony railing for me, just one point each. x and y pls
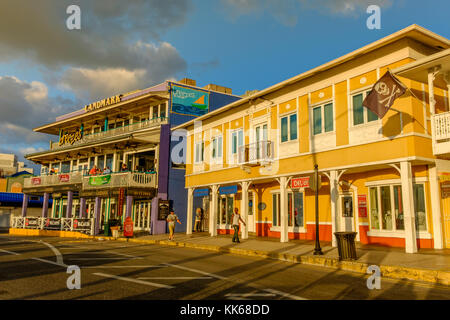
(120, 180)
(84, 225)
(258, 153)
(147, 124)
(53, 180)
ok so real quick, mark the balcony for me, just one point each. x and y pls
(53, 180)
(117, 132)
(441, 133)
(256, 154)
(120, 180)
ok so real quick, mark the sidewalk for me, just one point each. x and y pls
(428, 265)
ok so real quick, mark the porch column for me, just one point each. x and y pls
(334, 197)
(45, 205)
(435, 207)
(129, 206)
(24, 205)
(432, 102)
(244, 209)
(82, 212)
(283, 211)
(69, 204)
(408, 207)
(213, 211)
(97, 206)
(190, 207)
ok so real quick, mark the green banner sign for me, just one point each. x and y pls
(99, 180)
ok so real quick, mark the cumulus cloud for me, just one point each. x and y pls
(287, 12)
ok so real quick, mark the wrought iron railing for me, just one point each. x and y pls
(256, 153)
(85, 225)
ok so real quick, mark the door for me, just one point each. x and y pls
(446, 215)
(251, 213)
(347, 212)
(260, 136)
(205, 218)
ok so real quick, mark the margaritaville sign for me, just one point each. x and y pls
(103, 103)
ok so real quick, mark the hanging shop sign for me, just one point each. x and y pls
(163, 209)
(99, 180)
(52, 224)
(120, 201)
(302, 182)
(201, 192)
(362, 205)
(36, 181)
(70, 138)
(64, 178)
(103, 103)
(444, 176)
(228, 189)
(189, 102)
(95, 193)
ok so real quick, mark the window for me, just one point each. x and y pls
(163, 111)
(386, 208)
(361, 114)
(226, 205)
(294, 207)
(323, 118)
(237, 140)
(155, 112)
(289, 128)
(199, 151)
(217, 148)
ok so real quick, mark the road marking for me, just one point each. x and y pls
(197, 271)
(174, 278)
(59, 258)
(124, 254)
(51, 262)
(10, 252)
(284, 294)
(158, 285)
(250, 294)
(110, 258)
(107, 267)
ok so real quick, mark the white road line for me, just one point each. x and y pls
(124, 254)
(158, 285)
(59, 258)
(284, 294)
(251, 294)
(174, 278)
(110, 258)
(10, 252)
(51, 262)
(197, 271)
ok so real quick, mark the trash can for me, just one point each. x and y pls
(115, 232)
(346, 245)
(106, 230)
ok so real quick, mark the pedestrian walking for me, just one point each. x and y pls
(236, 218)
(171, 218)
(198, 220)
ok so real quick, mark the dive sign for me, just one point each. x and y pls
(189, 102)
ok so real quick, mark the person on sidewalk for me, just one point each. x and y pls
(198, 219)
(236, 218)
(171, 218)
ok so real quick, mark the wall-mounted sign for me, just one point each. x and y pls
(82, 224)
(36, 181)
(362, 205)
(163, 209)
(297, 183)
(99, 180)
(262, 206)
(52, 224)
(201, 192)
(189, 102)
(103, 103)
(64, 178)
(121, 200)
(32, 222)
(228, 189)
(70, 138)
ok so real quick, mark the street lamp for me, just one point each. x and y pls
(317, 249)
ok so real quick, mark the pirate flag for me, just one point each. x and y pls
(383, 94)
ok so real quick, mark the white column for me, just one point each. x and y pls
(432, 103)
(213, 211)
(190, 208)
(435, 207)
(283, 211)
(408, 207)
(334, 197)
(244, 208)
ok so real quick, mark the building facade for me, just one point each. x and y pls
(112, 158)
(9, 165)
(379, 177)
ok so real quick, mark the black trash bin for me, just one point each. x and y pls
(346, 245)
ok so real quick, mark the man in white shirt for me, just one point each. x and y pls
(236, 218)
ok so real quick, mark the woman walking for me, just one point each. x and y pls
(171, 218)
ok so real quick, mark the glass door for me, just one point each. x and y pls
(260, 137)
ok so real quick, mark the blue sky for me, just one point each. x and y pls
(46, 70)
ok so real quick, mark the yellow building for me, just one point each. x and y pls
(379, 176)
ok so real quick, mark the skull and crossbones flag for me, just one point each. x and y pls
(383, 94)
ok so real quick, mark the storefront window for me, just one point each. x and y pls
(294, 207)
(374, 221)
(419, 205)
(386, 216)
(398, 207)
(298, 209)
(276, 209)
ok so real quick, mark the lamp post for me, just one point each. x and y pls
(317, 249)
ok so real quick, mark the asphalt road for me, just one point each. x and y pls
(36, 268)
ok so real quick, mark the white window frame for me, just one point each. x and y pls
(288, 115)
(233, 132)
(364, 91)
(201, 154)
(217, 158)
(321, 105)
